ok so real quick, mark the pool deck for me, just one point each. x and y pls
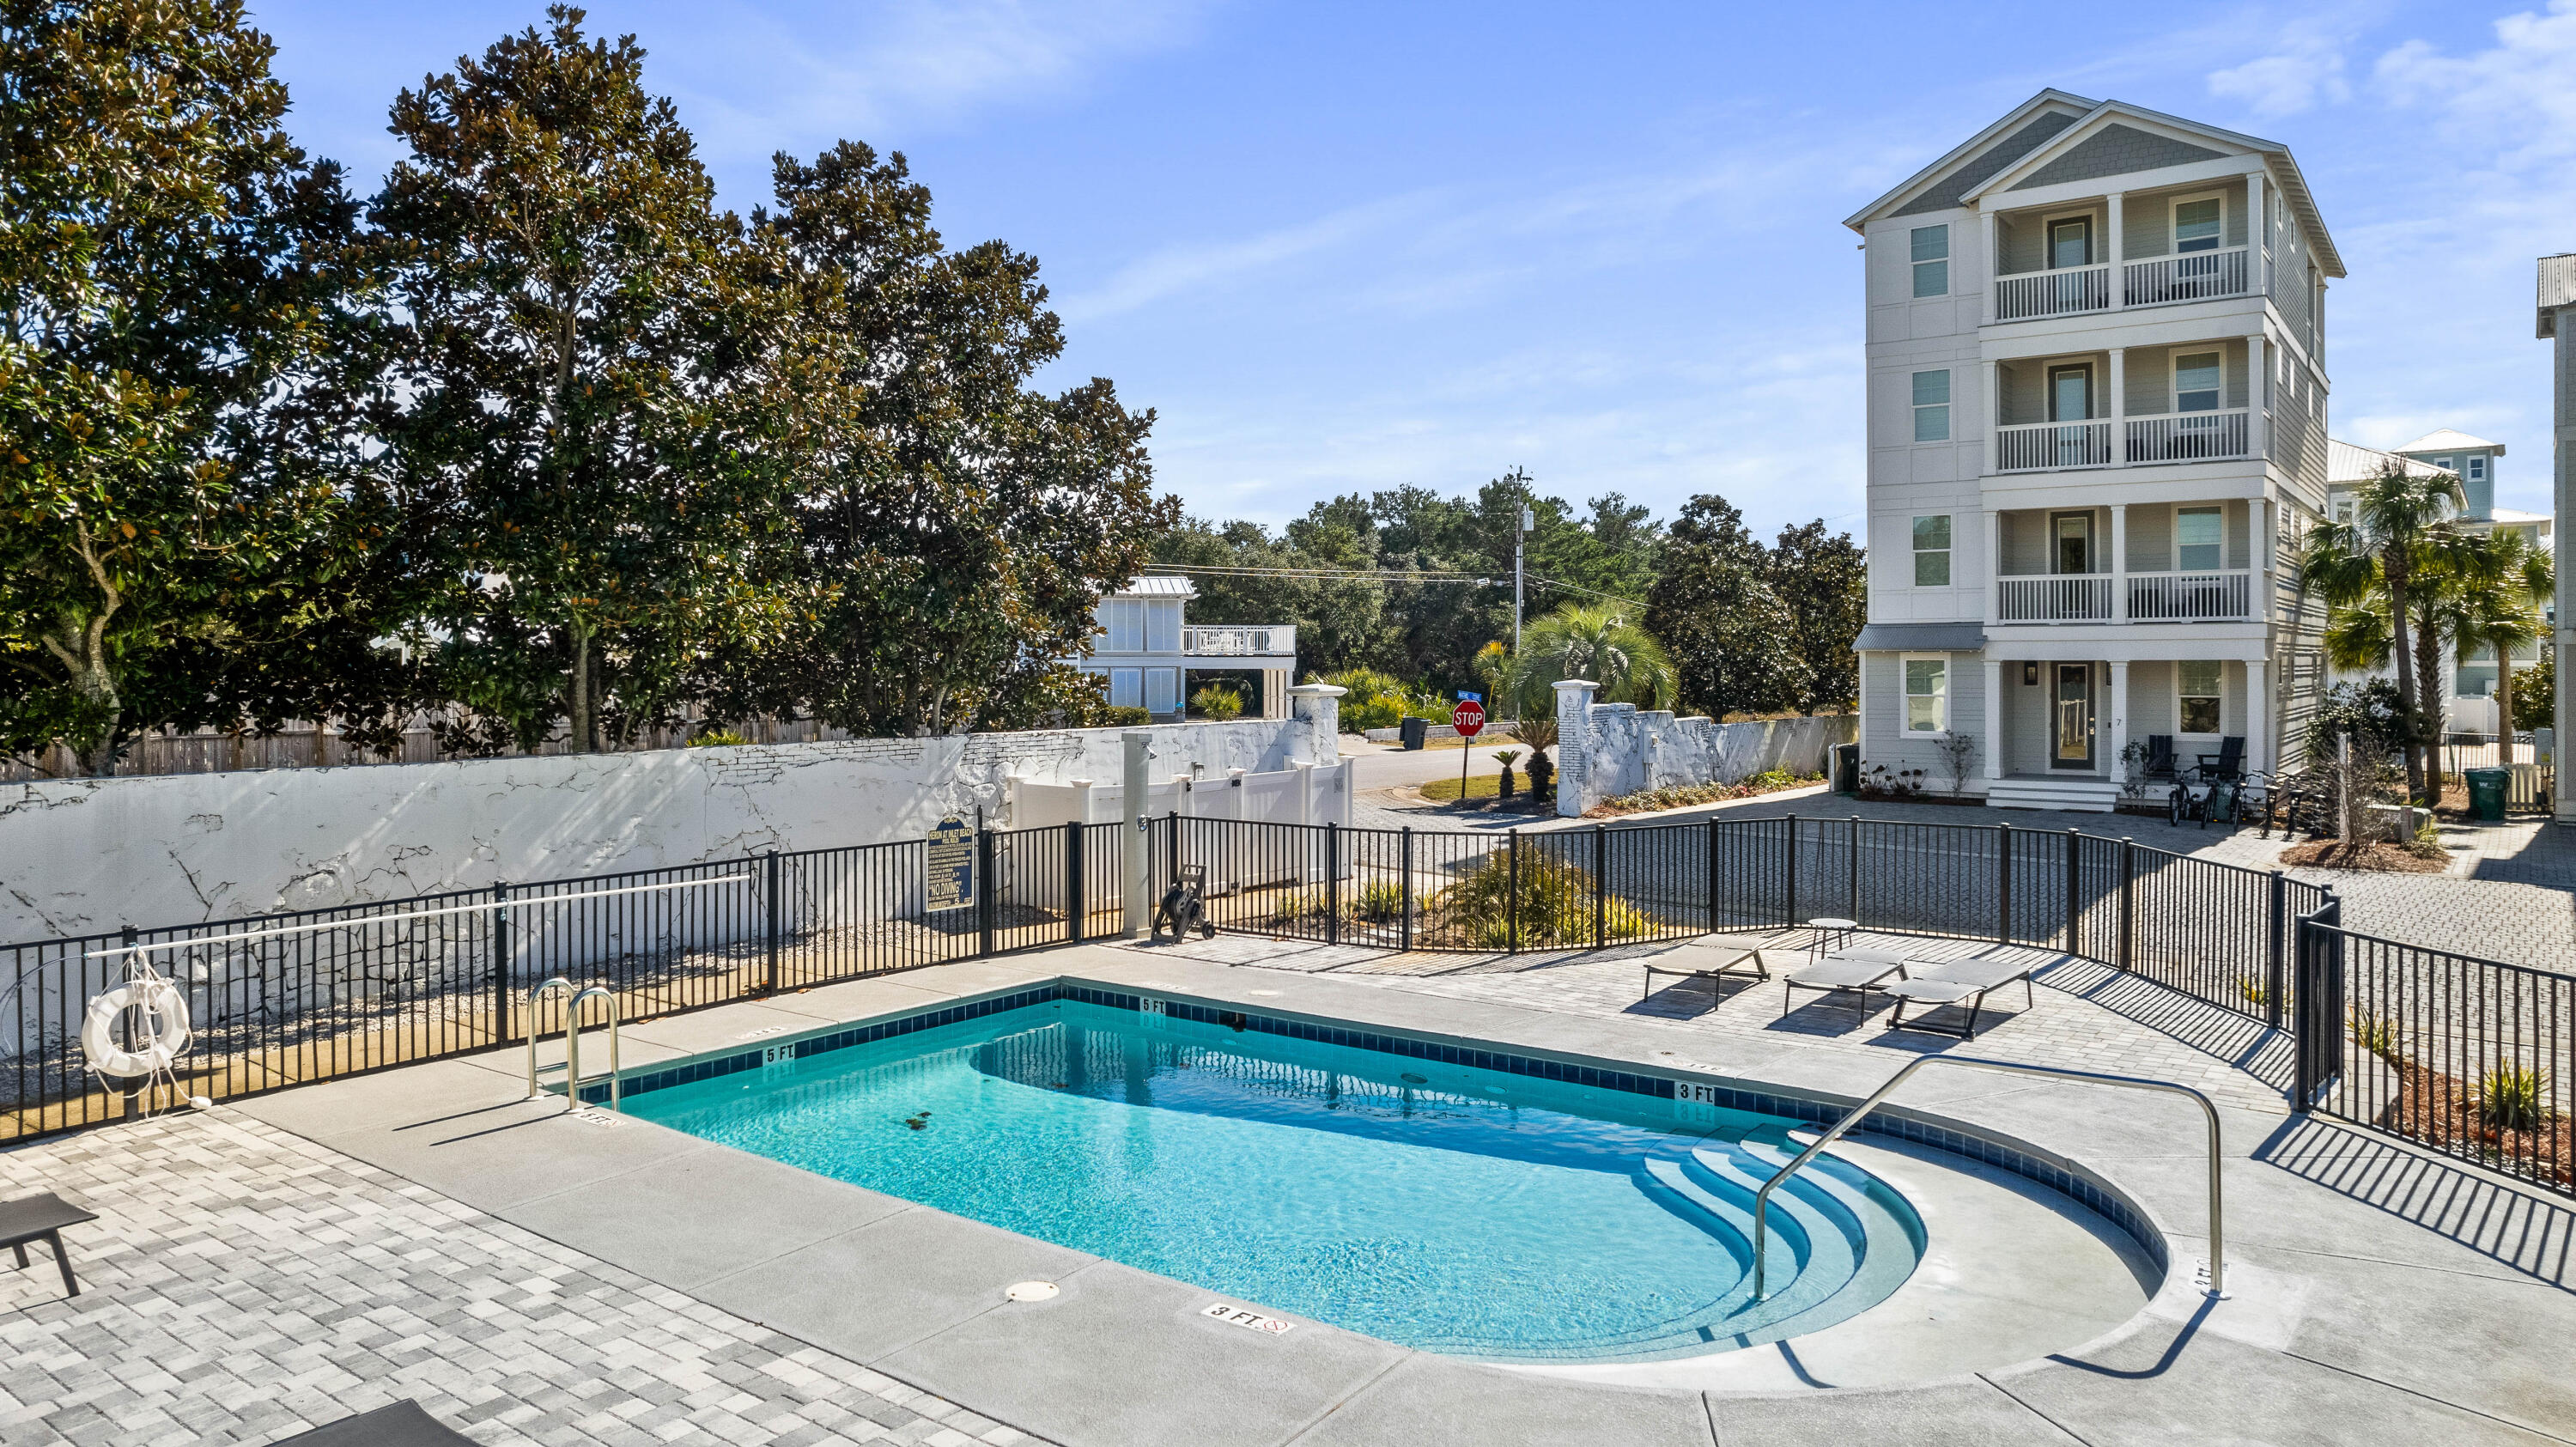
(535, 1275)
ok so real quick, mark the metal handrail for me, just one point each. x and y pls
(2217, 1225)
(572, 1047)
(535, 995)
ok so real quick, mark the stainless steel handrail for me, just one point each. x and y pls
(2217, 1224)
(533, 1032)
(572, 1047)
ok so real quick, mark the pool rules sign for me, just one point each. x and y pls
(952, 865)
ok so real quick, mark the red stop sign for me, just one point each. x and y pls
(1468, 719)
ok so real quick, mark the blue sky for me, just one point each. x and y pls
(1347, 247)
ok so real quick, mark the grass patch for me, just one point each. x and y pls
(1479, 786)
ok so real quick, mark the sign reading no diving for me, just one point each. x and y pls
(951, 882)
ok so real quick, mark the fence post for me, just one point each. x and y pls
(501, 964)
(2275, 925)
(1512, 891)
(2128, 900)
(770, 891)
(1332, 883)
(1600, 885)
(1405, 892)
(1789, 906)
(1851, 908)
(984, 891)
(1073, 902)
(2003, 884)
(2075, 891)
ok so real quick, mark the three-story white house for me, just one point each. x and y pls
(2097, 425)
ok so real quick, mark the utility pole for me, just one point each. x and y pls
(1520, 549)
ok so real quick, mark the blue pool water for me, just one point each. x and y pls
(1445, 1207)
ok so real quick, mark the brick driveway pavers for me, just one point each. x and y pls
(242, 1284)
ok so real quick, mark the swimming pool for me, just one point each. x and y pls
(1430, 1202)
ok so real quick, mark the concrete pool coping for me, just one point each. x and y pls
(1122, 1356)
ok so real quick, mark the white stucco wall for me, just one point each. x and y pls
(91, 855)
(1611, 749)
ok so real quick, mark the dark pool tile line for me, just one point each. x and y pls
(1898, 1126)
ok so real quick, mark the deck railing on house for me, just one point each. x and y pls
(2043, 446)
(2197, 276)
(2190, 597)
(2069, 598)
(2065, 292)
(2191, 436)
(1238, 640)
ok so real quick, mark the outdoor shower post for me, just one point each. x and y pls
(501, 965)
(2003, 883)
(1405, 891)
(1073, 902)
(1600, 885)
(769, 874)
(1139, 900)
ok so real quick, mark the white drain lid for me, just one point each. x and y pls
(1031, 1291)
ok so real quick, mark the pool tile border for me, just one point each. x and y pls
(1893, 1121)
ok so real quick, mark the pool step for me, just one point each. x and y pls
(1810, 1246)
(1876, 1230)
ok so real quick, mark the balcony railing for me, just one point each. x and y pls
(2190, 597)
(2066, 292)
(2077, 598)
(2040, 446)
(2196, 276)
(1239, 640)
(2190, 436)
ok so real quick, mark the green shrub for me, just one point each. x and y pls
(2511, 1097)
(1555, 906)
(1122, 716)
(715, 737)
(1218, 702)
(1381, 700)
(1381, 901)
(2376, 1034)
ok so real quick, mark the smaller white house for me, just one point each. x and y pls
(1147, 648)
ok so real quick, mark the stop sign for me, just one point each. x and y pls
(1468, 719)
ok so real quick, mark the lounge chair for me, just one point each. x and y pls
(1730, 953)
(403, 1424)
(1844, 972)
(42, 1218)
(1955, 983)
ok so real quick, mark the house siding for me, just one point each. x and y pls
(2116, 150)
(1945, 193)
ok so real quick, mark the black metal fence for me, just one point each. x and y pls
(280, 999)
(2468, 1056)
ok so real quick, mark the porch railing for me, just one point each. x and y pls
(2191, 436)
(2196, 276)
(2190, 597)
(2042, 446)
(2066, 292)
(2078, 598)
(1238, 640)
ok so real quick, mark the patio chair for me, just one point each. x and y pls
(1955, 983)
(2160, 757)
(1844, 972)
(403, 1424)
(42, 1218)
(1731, 953)
(2228, 763)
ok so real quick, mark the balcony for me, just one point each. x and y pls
(2048, 446)
(2157, 281)
(2078, 598)
(2191, 436)
(2068, 292)
(2191, 597)
(1240, 640)
(2193, 276)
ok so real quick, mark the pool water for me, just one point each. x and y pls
(1446, 1207)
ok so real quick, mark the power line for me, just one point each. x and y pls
(1389, 575)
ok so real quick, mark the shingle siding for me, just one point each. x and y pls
(2116, 150)
(1945, 192)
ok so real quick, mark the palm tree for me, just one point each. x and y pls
(2498, 607)
(2399, 519)
(1595, 641)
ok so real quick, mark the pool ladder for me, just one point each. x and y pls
(572, 1040)
(2217, 1223)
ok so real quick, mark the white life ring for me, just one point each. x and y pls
(165, 1016)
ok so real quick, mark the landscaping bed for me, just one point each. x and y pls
(2378, 856)
(2443, 1111)
(1770, 781)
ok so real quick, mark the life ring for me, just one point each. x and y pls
(165, 1017)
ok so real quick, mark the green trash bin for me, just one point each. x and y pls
(2486, 792)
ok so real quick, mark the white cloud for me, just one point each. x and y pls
(2308, 68)
(2519, 97)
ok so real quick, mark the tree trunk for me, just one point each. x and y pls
(2428, 683)
(581, 707)
(2405, 680)
(2504, 706)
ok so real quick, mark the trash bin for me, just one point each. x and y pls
(1846, 768)
(2486, 793)
(1415, 730)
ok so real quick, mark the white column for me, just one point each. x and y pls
(2258, 418)
(2258, 243)
(2119, 562)
(2258, 718)
(1994, 740)
(1573, 744)
(2119, 406)
(1993, 258)
(1140, 900)
(1995, 565)
(2119, 719)
(2118, 241)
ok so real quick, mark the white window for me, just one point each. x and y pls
(2199, 540)
(1932, 406)
(1123, 619)
(1931, 260)
(1927, 695)
(2195, 224)
(1163, 628)
(2070, 242)
(1126, 688)
(1162, 690)
(2196, 382)
(2344, 510)
(2199, 687)
(2446, 463)
(2478, 468)
(1932, 552)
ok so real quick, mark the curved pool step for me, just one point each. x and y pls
(1873, 1222)
(1810, 1253)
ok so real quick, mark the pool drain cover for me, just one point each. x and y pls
(1031, 1291)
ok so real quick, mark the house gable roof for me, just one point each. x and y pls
(2116, 136)
(1939, 186)
(2446, 439)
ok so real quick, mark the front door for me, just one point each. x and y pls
(2071, 744)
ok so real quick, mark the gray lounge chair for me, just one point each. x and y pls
(1845, 972)
(42, 1218)
(1958, 982)
(1711, 958)
(403, 1424)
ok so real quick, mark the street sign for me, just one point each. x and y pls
(1465, 697)
(1468, 719)
(951, 883)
